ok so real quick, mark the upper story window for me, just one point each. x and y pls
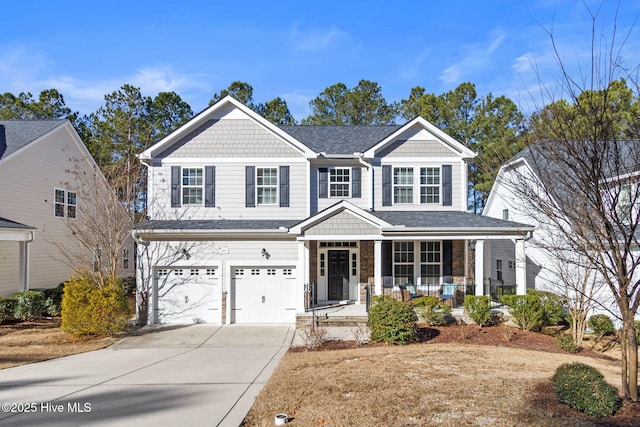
(417, 185)
(192, 186)
(267, 186)
(64, 203)
(403, 185)
(339, 182)
(429, 185)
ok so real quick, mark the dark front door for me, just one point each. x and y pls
(338, 275)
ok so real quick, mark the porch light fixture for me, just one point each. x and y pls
(186, 254)
(265, 253)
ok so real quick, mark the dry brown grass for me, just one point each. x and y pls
(31, 342)
(422, 385)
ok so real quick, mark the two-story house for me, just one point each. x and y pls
(39, 198)
(245, 216)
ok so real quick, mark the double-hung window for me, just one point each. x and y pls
(430, 262)
(403, 185)
(339, 180)
(192, 185)
(65, 203)
(403, 259)
(267, 186)
(625, 206)
(429, 185)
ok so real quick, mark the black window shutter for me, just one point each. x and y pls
(387, 258)
(447, 258)
(175, 186)
(356, 177)
(386, 185)
(250, 186)
(284, 186)
(210, 186)
(323, 183)
(447, 198)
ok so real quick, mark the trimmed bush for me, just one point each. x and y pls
(601, 325)
(553, 306)
(478, 308)
(431, 310)
(29, 305)
(583, 388)
(567, 343)
(54, 299)
(88, 309)
(7, 308)
(392, 321)
(526, 310)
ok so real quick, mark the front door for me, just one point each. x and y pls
(338, 275)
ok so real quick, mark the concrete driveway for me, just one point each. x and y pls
(199, 375)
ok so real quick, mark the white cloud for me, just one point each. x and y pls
(476, 57)
(305, 40)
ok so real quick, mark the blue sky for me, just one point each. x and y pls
(295, 49)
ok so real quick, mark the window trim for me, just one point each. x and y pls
(425, 262)
(403, 185)
(275, 186)
(66, 205)
(331, 182)
(426, 185)
(192, 186)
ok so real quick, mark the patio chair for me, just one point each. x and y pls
(448, 294)
(409, 292)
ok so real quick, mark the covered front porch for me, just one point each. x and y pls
(346, 253)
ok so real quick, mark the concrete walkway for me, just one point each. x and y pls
(200, 375)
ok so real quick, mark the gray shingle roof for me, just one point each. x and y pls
(7, 223)
(223, 224)
(20, 133)
(445, 220)
(340, 139)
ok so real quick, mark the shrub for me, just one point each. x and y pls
(567, 343)
(431, 310)
(54, 296)
(7, 308)
(478, 308)
(583, 388)
(526, 310)
(553, 306)
(601, 325)
(29, 305)
(88, 309)
(392, 321)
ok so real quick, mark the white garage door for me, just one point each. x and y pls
(188, 295)
(263, 295)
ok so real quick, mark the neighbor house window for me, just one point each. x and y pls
(505, 214)
(625, 206)
(499, 269)
(64, 203)
(403, 258)
(267, 186)
(429, 185)
(192, 185)
(339, 180)
(402, 185)
(125, 258)
(430, 261)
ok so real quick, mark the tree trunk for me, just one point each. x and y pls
(142, 308)
(631, 359)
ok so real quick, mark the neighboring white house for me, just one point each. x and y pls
(37, 196)
(245, 216)
(545, 268)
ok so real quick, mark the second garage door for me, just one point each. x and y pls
(263, 295)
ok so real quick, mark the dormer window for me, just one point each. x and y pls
(339, 182)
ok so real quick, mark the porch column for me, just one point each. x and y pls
(377, 266)
(23, 265)
(479, 267)
(521, 268)
(303, 273)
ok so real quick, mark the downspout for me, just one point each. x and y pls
(369, 167)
